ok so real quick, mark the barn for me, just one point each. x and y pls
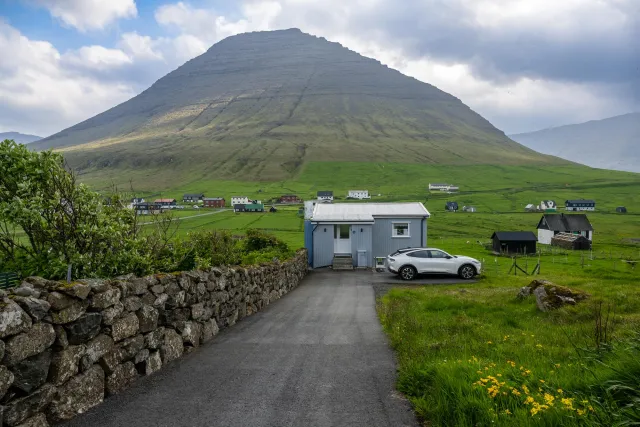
(621, 209)
(514, 242)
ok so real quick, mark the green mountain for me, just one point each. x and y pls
(18, 137)
(259, 106)
(612, 143)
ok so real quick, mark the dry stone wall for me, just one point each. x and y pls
(65, 347)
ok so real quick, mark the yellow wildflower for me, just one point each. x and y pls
(499, 375)
(560, 391)
(489, 342)
(525, 389)
(539, 345)
(529, 400)
(557, 365)
(515, 392)
(549, 399)
(484, 380)
(568, 403)
(581, 412)
(507, 412)
(542, 381)
(479, 372)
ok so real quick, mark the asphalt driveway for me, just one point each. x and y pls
(317, 357)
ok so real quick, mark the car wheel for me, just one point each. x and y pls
(408, 272)
(467, 272)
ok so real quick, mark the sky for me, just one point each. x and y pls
(524, 65)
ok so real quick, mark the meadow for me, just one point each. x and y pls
(474, 354)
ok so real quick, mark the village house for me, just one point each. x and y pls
(552, 224)
(135, 201)
(309, 205)
(192, 198)
(548, 206)
(530, 208)
(165, 202)
(580, 205)
(148, 209)
(514, 242)
(438, 187)
(213, 202)
(253, 206)
(325, 196)
(290, 198)
(357, 233)
(452, 189)
(358, 194)
(471, 209)
(621, 209)
(239, 200)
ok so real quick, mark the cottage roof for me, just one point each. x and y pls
(515, 236)
(581, 201)
(212, 199)
(164, 200)
(562, 222)
(193, 195)
(366, 212)
(439, 184)
(325, 193)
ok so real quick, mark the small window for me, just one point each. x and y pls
(438, 254)
(400, 229)
(419, 254)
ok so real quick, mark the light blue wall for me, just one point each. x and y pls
(361, 240)
(322, 245)
(383, 242)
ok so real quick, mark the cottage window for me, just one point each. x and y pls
(400, 229)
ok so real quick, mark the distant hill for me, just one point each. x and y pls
(259, 106)
(19, 137)
(612, 143)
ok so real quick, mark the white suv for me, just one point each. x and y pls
(410, 262)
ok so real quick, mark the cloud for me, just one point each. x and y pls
(87, 15)
(42, 90)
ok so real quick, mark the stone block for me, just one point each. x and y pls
(78, 395)
(122, 377)
(132, 303)
(59, 301)
(6, 380)
(125, 327)
(24, 408)
(131, 346)
(191, 333)
(64, 364)
(141, 356)
(13, 319)
(95, 349)
(209, 330)
(83, 329)
(38, 420)
(32, 372)
(172, 347)
(36, 308)
(154, 339)
(106, 299)
(148, 318)
(29, 343)
(152, 364)
(61, 337)
(110, 314)
(69, 314)
(76, 290)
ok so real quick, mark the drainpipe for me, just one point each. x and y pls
(423, 232)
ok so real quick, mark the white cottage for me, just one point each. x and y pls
(552, 224)
(361, 232)
(358, 194)
(239, 200)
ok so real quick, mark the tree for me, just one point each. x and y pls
(48, 220)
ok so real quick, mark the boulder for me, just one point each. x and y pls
(36, 308)
(148, 298)
(59, 301)
(147, 318)
(198, 311)
(83, 329)
(26, 290)
(125, 327)
(161, 301)
(64, 364)
(132, 303)
(157, 289)
(209, 330)
(95, 349)
(78, 395)
(21, 409)
(172, 347)
(97, 285)
(138, 286)
(550, 296)
(29, 343)
(154, 339)
(61, 337)
(177, 300)
(78, 290)
(72, 312)
(112, 313)
(32, 372)
(6, 380)
(173, 317)
(191, 332)
(13, 319)
(38, 420)
(106, 299)
(122, 377)
(112, 359)
(131, 346)
(152, 364)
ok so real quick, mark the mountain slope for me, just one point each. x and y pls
(20, 138)
(258, 106)
(612, 143)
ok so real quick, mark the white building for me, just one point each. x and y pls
(453, 189)
(438, 187)
(548, 206)
(239, 200)
(308, 208)
(580, 205)
(552, 224)
(358, 194)
(325, 196)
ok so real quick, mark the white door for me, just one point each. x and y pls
(342, 239)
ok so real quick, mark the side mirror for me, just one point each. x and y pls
(449, 257)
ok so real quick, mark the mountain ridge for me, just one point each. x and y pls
(261, 105)
(21, 138)
(610, 143)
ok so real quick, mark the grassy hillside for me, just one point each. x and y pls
(261, 106)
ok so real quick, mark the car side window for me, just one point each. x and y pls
(438, 254)
(419, 254)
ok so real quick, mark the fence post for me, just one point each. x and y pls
(69, 274)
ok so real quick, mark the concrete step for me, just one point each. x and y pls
(342, 263)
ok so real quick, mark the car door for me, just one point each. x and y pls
(420, 260)
(441, 262)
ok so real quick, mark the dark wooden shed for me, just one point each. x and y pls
(571, 241)
(621, 209)
(514, 242)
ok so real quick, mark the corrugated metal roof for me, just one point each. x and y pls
(365, 212)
